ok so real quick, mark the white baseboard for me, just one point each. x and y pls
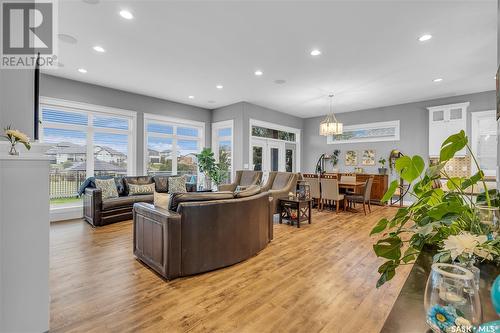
(66, 213)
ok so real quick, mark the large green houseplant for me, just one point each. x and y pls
(216, 172)
(443, 220)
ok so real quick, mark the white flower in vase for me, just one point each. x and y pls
(464, 243)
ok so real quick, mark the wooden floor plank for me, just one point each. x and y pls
(319, 278)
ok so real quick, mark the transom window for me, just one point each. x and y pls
(88, 140)
(171, 146)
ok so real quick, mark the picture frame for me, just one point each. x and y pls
(368, 157)
(351, 158)
(369, 132)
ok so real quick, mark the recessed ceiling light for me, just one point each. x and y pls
(67, 38)
(191, 97)
(99, 49)
(424, 38)
(219, 86)
(258, 72)
(315, 52)
(82, 70)
(126, 14)
(437, 80)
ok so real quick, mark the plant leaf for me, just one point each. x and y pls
(381, 225)
(453, 144)
(387, 271)
(390, 191)
(410, 168)
(473, 180)
(389, 248)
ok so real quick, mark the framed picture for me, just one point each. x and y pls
(371, 132)
(368, 157)
(351, 158)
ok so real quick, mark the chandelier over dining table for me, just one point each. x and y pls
(330, 125)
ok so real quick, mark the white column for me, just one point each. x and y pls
(24, 241)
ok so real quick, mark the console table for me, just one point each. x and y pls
(408, 313)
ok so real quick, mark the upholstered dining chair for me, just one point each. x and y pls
(363, 198)
(314, 189)
(348, 178)
(330, 193)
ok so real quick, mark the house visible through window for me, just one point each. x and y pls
(86, 142)
(222, 144)
(172, 146)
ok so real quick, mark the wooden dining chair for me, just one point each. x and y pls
(330, 193)
(315, 189)
(363, 198)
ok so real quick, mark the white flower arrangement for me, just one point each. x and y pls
(14, 136)
(467, 245)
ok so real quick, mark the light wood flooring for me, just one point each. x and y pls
(319, 278)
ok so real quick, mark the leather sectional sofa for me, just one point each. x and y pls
(98, 211)
(202, 231)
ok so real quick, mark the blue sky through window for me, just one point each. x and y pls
(224, 132)
(56, 135)
(118, 142)
(64, 117)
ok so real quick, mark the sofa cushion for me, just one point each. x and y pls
(177, 198)
(107, 187)
(247, 178)
(161, 200)
(281, 180)
(177, 184)
(161, 184)
(248, 192)
(139, 180)
(129, 201)
(134, 189)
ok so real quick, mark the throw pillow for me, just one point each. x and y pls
(161, 200)
(177, 185)
(134, 189)
(107, 187)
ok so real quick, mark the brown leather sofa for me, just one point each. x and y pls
(98, 211)
(243, 178)
(206, 231)
(279, 184)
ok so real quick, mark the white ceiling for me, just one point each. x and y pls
(370, 53)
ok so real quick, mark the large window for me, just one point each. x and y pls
(484, 141)
(172, 145)
(87, 140)
(222, 144)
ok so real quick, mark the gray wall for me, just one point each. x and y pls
(55, 87)
(414, 129)
(241, 113)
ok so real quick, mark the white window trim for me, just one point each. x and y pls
(215, 140)
(176, 122)
(474, 135)
(296, 131)
(381, 124)
(90, 110)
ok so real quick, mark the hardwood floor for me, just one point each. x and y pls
(319, 278)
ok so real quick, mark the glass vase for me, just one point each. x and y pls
(488, 218)
(451, 299)
(13, 150)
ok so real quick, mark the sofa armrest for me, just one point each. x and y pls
(228, 187)
(158, 231)
(92, 206)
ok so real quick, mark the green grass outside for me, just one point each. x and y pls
(61, 201)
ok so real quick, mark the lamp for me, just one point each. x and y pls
(330, 125)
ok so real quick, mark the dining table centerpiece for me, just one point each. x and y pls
(15, 136)
(445, 218)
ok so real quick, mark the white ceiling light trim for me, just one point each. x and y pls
(425, 37)
(219, 86)
(258, 73)
(437, 80)
(315, 52)
(82, 70)
(99, 49)
(126, 14)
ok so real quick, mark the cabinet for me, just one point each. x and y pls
(445, 120)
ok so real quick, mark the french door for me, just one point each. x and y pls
(272, 155)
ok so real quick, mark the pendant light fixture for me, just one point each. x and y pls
(330, 125)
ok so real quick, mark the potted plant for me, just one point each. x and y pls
(334, 159)
(216, 172)
(382, 170)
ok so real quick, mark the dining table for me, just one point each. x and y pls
(355, 187)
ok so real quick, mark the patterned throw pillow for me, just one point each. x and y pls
(134, 189)
(177, 185)
(162, 200)
(107, 187)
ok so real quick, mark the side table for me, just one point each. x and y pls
(293, 209)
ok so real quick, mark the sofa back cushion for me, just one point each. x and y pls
(248, 192)
(281, 180)
(177, 198)
(247, 178)
(139, 180)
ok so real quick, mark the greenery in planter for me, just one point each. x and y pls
(382, 162)
(218, 172)
(444, 220)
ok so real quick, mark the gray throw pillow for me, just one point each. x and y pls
(134, 189)
(177, 184)
(107, 187)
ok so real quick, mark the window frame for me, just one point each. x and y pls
(475, 132)
(216, 140)
(175, 123)
(92, 110)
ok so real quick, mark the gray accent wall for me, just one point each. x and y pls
(56, 87)
(414, 129)
(241, 113)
